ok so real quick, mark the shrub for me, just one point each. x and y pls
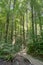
(30, 49)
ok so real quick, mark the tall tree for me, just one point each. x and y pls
(7, 21)
(35, 27)
(32, 10)
(23, 31)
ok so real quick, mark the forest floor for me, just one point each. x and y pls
(34, 61)
(22, 58)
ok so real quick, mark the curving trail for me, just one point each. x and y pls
(30, 58)
(21, 58)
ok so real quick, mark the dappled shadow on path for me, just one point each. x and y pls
(17, 60)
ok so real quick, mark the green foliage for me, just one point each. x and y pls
(35, 49)
(9, 57)
(7, 50)
(20, 20)
(31, 49)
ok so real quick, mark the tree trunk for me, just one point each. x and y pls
(40, 25)
(7, 25)
(35, 28)
(7, 22)
(32, 24)
(23, 33)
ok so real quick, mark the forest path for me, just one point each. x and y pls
(32, 60)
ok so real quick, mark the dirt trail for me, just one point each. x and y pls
(17, 60)
(22, 59)
(32, 60)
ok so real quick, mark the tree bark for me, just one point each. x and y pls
(32, 23)
(23, 33)
(7, 25)
(7, 22)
